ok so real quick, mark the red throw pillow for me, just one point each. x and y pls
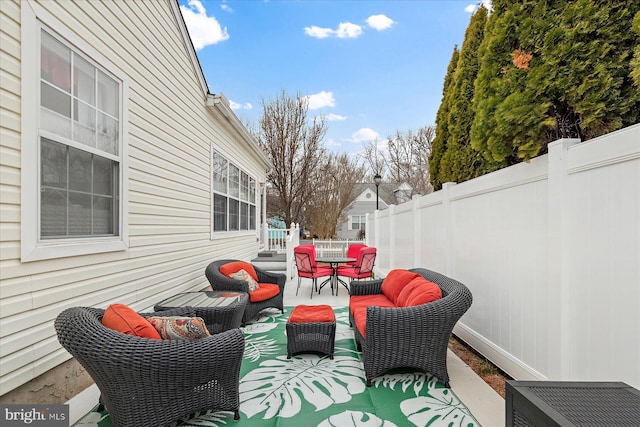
(419, 291)
(233, 267)
(395, 281)
(121, 318)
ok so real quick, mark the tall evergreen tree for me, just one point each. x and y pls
(635, 62)
(551, 70)
(439, 145)
(460, 160)
(585, 67)
(496, 81)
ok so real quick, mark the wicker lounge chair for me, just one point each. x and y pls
(220, 282)
(148, 382)
(410, 337)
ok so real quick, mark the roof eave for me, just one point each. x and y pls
(220, 103)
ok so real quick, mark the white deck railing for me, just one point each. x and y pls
(333, 247)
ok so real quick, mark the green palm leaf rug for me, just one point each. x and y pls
(312, 390)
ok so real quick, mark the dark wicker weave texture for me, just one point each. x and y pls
(410, 337)
(311, 336)
(218, 318)
(220, 282)
(567, 403)
(146, 382)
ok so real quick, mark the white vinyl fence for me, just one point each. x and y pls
(551, 252)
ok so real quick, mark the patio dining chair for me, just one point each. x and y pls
(363, 267)
(307, 266)
(353, 250)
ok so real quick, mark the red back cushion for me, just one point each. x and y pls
(419, 291)
(121, 318)
(233, 267)
(395, 281)
(354, 249)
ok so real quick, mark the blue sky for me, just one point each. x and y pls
(370, 67)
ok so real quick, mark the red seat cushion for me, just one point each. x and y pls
(419, 291)
(312, 314)
(395, 281)
(358, 301)
(122, 318)
(235, 266)
(360, 317)
(319, 271)
(264, 292)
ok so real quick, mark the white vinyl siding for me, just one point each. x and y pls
(166, 190)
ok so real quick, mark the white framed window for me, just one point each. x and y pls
(358, 222)
(74, 144)
(233, 199)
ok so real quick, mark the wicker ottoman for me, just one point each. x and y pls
(311, 328)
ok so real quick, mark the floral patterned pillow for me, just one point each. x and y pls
(179, 328)
(243, 275)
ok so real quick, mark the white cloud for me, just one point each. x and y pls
(226, 8)
(345, 30)
(236, 106)
(380, 22)
(317, 32)
(335, 117)
(320, 100)
(204, 30)
(473, 7)
(364, 135)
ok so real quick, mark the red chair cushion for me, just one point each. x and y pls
(264, 292)
(122, 318)
(320, 271)
(419, 291)
(353, 250)
(395, 281)
(312, 314)
(353, 273)
(358, 301)
(233, 267)
(360, 317)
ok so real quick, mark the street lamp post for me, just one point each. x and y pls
(377, 179)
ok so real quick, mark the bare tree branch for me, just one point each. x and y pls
(294, 147)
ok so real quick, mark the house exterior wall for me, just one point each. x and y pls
(550, 250)
(170, 132)
(364, 204)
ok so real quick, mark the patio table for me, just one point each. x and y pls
(334, 279)
(221, 310)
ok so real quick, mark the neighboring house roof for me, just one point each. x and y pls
(385, 191)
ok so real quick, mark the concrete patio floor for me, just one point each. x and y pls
(485, 404)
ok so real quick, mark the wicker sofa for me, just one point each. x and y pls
(220, 282)
(148, 382)
(408, 337)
